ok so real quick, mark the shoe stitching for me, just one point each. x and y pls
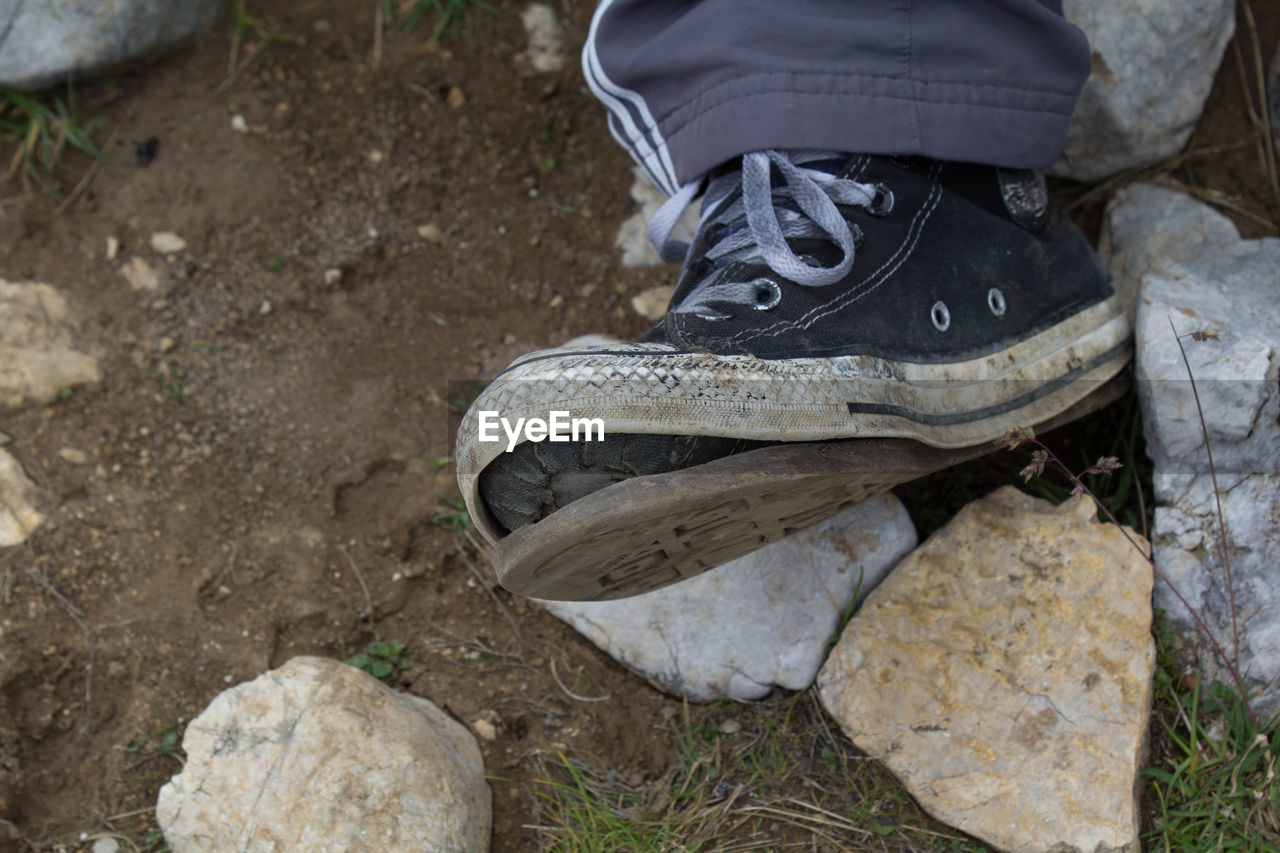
(865, 286)
(923, 215)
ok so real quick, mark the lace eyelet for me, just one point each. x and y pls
(858, 237)
(995, 301)
(882, 203)
(768, 294)
(940, 315)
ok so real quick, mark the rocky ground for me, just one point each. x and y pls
(246, 469)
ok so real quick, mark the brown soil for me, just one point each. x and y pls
(278, 500)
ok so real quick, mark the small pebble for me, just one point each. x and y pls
(113, 248)
(730, 727)
(106, 845)
(332, 276)
(484, 730)
(74, 456)
(238, 124)
(166, 344)
(456, 98)
(376, 156)
(167, 242)
(140, 275)
(652, 303)
(265, 307)
(431, 233)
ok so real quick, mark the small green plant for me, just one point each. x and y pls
(259, 29)
(165, 740)
(153, 842)
(847, 614)
(257, 32)
(40, 129)
(169, 380)
(380, 659)
(437, 463)
(459, 519)
(448, 14)
(551, 145)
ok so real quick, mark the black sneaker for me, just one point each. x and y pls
(825, 297)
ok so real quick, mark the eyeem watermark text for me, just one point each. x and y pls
(559, 427)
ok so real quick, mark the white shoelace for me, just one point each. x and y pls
(771, 218)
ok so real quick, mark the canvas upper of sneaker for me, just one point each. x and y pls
(958, 261)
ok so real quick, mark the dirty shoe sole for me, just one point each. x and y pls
(636, 536)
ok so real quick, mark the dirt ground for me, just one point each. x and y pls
(258, 482)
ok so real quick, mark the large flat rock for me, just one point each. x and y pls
(1003, 673)
(755, 622)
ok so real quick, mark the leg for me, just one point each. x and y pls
(691, 85)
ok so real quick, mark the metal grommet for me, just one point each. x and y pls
(768, 294)
(940, 315)
(882, 202)
(858, 237)
(995, 301)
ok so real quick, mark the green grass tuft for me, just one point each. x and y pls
(771, 775)
(448, 15)
(39, 129)
(1213, 784)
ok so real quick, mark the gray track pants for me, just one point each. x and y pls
(692, 83)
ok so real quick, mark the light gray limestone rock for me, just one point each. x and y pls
(1196, 274)
(44, 43)
(547, 39)
(1230, 288)
(1153, 64)
(1148, 226)
(632, 239)
(758, 621)
(317, 755)
(651, 304)
(1003, 673)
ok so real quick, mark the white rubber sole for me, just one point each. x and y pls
(657, 389)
